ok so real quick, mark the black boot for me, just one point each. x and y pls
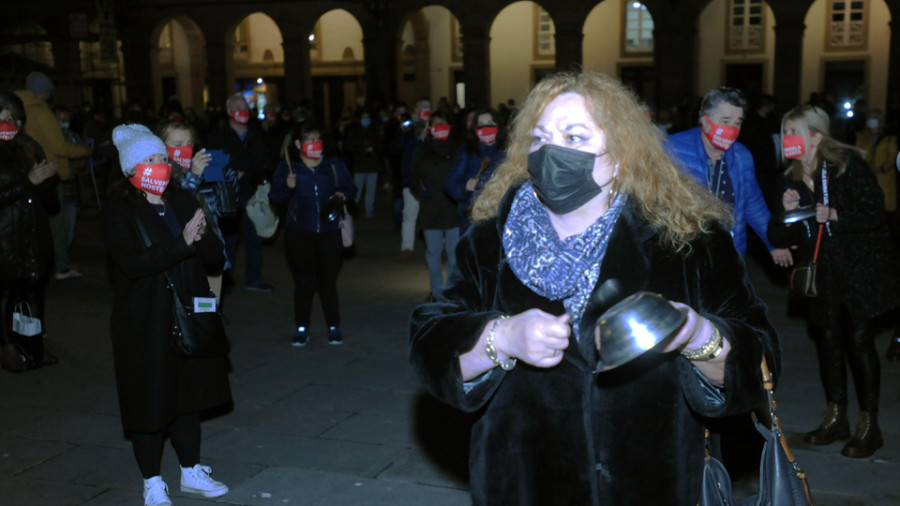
(893, 352)
(834, 427)
(867, 437)
(11, 360)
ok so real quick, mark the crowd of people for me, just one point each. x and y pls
(543, 205)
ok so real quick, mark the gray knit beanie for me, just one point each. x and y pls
(136, 142)
(38, 82)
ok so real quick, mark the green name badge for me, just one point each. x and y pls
(204, 304)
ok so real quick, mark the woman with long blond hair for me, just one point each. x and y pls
(587, 194)
(856, 276)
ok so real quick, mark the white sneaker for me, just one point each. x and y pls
(156, 493)
(196, 480)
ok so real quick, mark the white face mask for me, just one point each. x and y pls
(872, 123)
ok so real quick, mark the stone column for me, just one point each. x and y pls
(674, 50)
(788, 65)
(216, 73)
(476, 65)
(136, 53)
(893, 84)
(297, 67)
(381, 66)
(569, 43)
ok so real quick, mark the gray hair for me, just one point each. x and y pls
(234, 98)
(716, 96)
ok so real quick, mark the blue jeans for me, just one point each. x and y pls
(435, 241)
(370, 180)
(230, 228)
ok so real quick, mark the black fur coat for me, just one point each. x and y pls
(567, 436)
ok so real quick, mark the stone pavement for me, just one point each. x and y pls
(327, 425)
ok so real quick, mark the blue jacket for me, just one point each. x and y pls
(315, 185)
(466, 167)
(687, 150)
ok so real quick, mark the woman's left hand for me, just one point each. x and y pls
(823, 213)
(693, 334)
(341, 196)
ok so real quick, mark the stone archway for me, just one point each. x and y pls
(179, 62)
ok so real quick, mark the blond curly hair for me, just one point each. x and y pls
(677, 207)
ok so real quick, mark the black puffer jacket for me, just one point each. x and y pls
(26, 246)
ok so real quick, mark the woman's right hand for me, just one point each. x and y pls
(790, 200)
(534, 337)
(291, 181)
(42, 171)
(194, 228)
(200, 161)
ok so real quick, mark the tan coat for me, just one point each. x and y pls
(882, 159)
(41, 124)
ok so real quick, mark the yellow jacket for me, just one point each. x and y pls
(882, 159)
(41, 124)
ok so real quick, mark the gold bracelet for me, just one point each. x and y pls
(710, 350)
(507, 364)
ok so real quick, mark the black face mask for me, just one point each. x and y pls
(562, 177)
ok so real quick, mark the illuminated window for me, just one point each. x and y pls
(746, 26)
(847, 24)
(544, 35)
(638, 28)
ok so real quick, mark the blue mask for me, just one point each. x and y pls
(365, 122)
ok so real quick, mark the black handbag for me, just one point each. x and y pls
(194, 334)
(781, 481)
(803, 277)
(226, 198)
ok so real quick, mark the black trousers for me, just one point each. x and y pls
(314, 260)
(185, 435)
(845, 342)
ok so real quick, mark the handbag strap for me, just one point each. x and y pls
(818, 243)
(143, 232)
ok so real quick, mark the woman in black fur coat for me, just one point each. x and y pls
(587, 194)
(856, 277)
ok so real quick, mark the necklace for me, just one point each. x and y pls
(160, 208)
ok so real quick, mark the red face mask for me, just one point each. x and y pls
(794, 146)
(151, 178)
(720, 136)
(8, 130)
(423, 114)
(487, 134)
(312, 150)
(240, 117)
(182, 155)
(271, 116)
(440, 132)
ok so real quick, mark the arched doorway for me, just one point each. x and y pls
(338, 66)
(523, 50)
(257, 62)
(431, 56)
(179, 64)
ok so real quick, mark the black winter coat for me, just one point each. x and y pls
(857, 264)
(567, 436)
(154, 385)
(26, 244)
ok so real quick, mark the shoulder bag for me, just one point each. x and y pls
(781, 481)
(346, 224)
(195, 334)
(803, 277)
(259, 211)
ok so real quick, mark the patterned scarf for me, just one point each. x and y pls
(564, 270)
